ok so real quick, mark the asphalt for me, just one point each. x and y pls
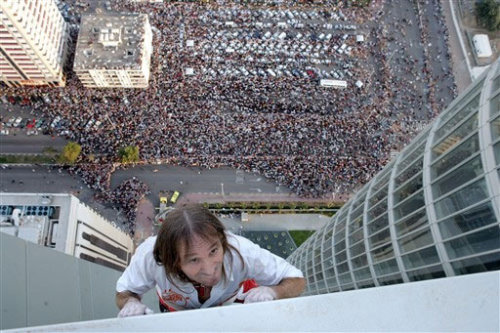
(459, 64)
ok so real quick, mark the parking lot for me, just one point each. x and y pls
(24, 131)
(271, 44)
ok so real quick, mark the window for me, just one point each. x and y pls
(345, 278)
(455, 117)
(408, 189)
(340, 246)
(462, 198)
(383, 252)
(357, 249)
(343, 268)
(462, 175)
(356, 224)
(495, 128)
(456, 136)
(391, 279)
(407, 160)
(362, 274)
(378, 224)
(360, 261)
(460, 153)
(432, 272)
(329, 269)
(378, 210)
(411, 223)
(382, 180)
(478, 242)
(471, 219)
(357, 236)
(496, 84)
(378, 196)
(365, 284)
(340, 257)
(496, 150)
(415, 240)
(489, 262)
(420, 258)
(380, 238)
(495, 104)
(412, 204)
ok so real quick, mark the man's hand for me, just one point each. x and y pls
(134, 307)
(260, 294)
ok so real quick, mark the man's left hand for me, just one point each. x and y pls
(260, 294)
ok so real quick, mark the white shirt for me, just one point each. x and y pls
(265, 268)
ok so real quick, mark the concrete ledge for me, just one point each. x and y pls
(464, 303)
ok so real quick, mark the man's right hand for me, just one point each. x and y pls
(134, 307)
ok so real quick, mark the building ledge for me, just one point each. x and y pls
(464, 303)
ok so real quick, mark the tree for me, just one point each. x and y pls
(488, 14)
(129, 154)
(70, 153)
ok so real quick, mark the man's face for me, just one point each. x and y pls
(202, 260)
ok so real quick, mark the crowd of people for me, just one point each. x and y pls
(315, 140)
(127, 195)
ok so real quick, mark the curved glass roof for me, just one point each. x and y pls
(434, 211)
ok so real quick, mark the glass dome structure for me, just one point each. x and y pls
(433, 211)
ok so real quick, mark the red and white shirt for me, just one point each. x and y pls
(258, 264)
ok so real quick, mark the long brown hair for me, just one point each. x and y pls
(179, 228)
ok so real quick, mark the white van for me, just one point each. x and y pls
(333, 83)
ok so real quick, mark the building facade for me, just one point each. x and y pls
(114, 51)
(433, 211)
(33, 38)
(64, 223)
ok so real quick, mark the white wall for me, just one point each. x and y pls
(464, 303)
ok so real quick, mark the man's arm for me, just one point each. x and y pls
(289, 287)
(124, 296)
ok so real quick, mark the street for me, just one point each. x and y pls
(51, 179)
(196, 180)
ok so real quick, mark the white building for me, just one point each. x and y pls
(32, 43)
(60, 221)
(114, 51)
(482, 46)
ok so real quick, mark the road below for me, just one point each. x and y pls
(196, 181)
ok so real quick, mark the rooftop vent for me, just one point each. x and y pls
(110, 37)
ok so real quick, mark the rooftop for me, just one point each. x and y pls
(111, 41)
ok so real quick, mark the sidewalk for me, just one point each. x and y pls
(460, 63)
(216, 197)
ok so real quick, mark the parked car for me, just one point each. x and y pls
(55, 122)
(10, 122)
(40, 123)
(24, 123)
(17, 122)
(31, 123)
